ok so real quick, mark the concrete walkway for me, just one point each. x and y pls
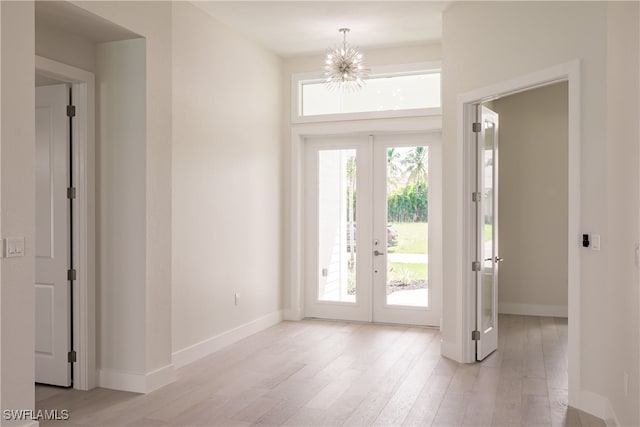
(408, 258)
(414, 298)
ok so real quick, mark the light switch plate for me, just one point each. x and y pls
(13, 247)
(595, 242)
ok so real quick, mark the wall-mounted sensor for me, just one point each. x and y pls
(585, 240)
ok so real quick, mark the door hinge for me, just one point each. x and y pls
(476, 127)
(71, 356)
(475, 266)
(476, 196)
(71, 110)
(71, 193)
(71, 274)
(475, 335)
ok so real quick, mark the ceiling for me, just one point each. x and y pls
(293, 28)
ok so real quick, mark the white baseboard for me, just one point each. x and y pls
(611, 420)
(449, 350)
(137, 383)
(206, 347)
(160, 378)
(293, 314)
(596, 405)
(533, 309)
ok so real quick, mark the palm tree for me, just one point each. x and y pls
(393, 168)
(415, 164)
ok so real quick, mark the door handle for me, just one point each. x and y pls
(378, 253)
(497, 259)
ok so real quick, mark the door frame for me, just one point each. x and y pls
(84, 301)
(465, 290)
(294, 290)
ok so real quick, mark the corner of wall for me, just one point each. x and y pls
(451, 350)
(137, 383)
(596, 405)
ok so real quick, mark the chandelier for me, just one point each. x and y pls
(343, 67)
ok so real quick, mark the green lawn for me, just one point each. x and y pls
(488, 232)
(406, 271)
(412, 238)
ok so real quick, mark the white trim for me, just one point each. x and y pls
(596, 405)
(294, 304)
(611, 419)
(137, 383)
(568, 71)
(533, 309)
(160, 378)
(450, 350)
(292, 314)
(388, 70)
(206, 347)
(84, 327)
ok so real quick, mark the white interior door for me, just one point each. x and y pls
(487, 233)
(367, 259)
(52, 294)
(407, 229)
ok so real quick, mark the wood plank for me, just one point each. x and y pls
(329, 373)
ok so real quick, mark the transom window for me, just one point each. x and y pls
(386, 93)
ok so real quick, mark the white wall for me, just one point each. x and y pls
(619, 296)
(533, 147)
(18, 204)
(488, 42)
(152, 20)
(61, 45)
(120, 207)
(1, 209)
(227, 189)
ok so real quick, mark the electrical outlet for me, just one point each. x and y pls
(625, 380)
(237, 298)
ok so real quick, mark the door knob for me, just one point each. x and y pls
(378, 253)
(497, 259)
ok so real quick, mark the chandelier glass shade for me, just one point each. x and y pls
(343, 66)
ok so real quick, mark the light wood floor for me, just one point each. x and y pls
(338, 373)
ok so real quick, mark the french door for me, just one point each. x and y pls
(372, 228)
(486, 197)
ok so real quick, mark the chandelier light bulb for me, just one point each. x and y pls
(343, 66)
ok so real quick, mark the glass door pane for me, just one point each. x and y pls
(407, 227)
(488, 249)
(337, 234)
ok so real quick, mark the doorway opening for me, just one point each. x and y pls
(467, 291)
(77, 161)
